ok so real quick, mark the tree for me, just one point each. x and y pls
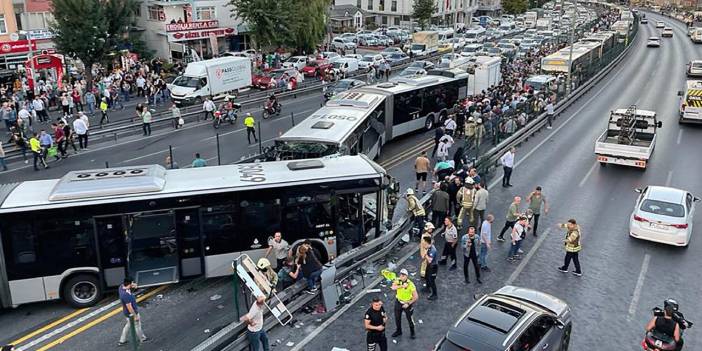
(422, 11)
(91, 30)
(514, 7)
(308, 24)
(268, 20)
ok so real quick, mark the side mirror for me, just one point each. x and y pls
(638, 190)
(558, 323)
(659, 124)
(697, 199)
(680, 93)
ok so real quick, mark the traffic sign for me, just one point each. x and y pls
(14, 36)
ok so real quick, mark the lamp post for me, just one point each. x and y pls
(570, 54)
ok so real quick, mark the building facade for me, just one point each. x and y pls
(176, 27)
(23, 28)
(398, 12)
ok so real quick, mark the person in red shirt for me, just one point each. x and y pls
(75, 95)
(60, 139)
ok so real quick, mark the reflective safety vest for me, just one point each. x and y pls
(572, 241)
(415, 206)
(249, 122)
(404, 293)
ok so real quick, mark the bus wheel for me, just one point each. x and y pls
(429, 123)
(82, 291)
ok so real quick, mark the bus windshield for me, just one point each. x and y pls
(298, 150)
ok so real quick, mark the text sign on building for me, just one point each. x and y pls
(39, 34)
(199, 34)
(189, 26)
(8, 47)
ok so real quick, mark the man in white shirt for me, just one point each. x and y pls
(38, 105)
(549, 114)
(81, 129)
(280, 249)
(450, 126)
(140, 83)
(209, 107)
(25, 116)
(254, 319)
(507, 161)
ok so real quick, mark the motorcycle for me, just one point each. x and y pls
(657, 341)
(224, 115)
(270, 109)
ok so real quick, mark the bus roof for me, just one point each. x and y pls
(123, 184)
(337, 119)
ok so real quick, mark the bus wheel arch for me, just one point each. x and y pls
(81, 289)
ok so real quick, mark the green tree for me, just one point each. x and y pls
(514, 7)
(91, 30)
(422, 11)
(308, 24)
(268, 20)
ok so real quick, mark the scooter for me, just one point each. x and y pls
(657, 341)
(270, 109)
(222, 115)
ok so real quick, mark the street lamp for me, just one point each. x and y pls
(569, 80)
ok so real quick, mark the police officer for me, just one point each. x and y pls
(406, 296)
(374, 322)
(250, 130)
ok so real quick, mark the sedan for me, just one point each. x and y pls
(667, 32)
(315, 68)
(391, 50)
(660, 24)
(341, 86)
(644, 21)
(663, 215)
(397, 59)
(654, 42)
(422, 64)
(413, 71)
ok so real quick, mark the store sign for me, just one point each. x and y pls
(9, 47)
(39, 34)
(189, 26)
(37, 5)
(200, 34)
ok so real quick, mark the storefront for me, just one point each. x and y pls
(206, 38)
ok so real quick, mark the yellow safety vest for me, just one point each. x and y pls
(249, 122)
(404, 294)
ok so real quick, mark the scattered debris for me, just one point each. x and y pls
(406, 238)
(377, 290)
(394, 341)
(159, 296)
(421, 321)
(220, 307)
(207, 331)
(290, 344)
(215, 297)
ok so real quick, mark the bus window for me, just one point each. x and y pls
(218, 229)
(20, 244)
(407, 106)
(71, 242)
(307, 216)
(260, 216)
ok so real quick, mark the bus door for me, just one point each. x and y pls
(152, 247)
(112, 241)
(189, 241)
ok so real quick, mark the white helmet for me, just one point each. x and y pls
(470, 119)
(409, 191)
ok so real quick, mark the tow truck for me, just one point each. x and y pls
(629, 139)
(691, 102)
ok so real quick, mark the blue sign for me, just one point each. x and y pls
(483, 21)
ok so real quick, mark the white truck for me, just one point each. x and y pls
(530, 18)
(486, 74)
(424, 43)
(213, 78)
(543, 24)
(691, 102)
(629, 139)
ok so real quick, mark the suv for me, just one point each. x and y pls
(511, 319)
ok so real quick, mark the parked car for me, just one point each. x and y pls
(342, 86)
(340, 43)
(296, 62)
(351, 36)
(330, 56)
(413, 71)
(470, 50)
(315, 68)
(667, 32)
(512, 318)
(367, 40)
(422, 64)
(371, 60)
(397, 59)
(444, 48)
(268, 80)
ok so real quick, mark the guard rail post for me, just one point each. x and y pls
(236, 288)
(260, 142)
(170, 154)
(292, 118)
(219, 158)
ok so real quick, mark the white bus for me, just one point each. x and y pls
(560, 61)
(361, 120)
(76, 236)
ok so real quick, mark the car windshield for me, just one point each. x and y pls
(368, 59)
(697, 65)
(493, 50)
(293, 60)
(470, 49)
(313, 64)
(189, 82)
(338, 64)
(663, 208)
(342, 84)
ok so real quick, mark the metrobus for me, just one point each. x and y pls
(560, 61)
(362, 120)
(75, 237)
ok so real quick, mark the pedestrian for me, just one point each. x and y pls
(572, 246)
(482, 196)
(47, 145)
(536, 201)
(310, 266)
(518, 231)
(250, 124)
(451, 241)
(428, 232)
(103, 111)
(208, 107)
(374, 322)
(438, 133)
(69, 135)
(507, 161)
(288, 273)
(37, 151)
(40, 109)
(129, 307)
(549, 114)
(177, 117)
(485, 241)
(2, 158)
(90, 102)
(466, 199)
(469, 243)
(432, 266)
(20, 143)
(511, 218)
(145, 115)
(445, 144)
(280, 249)
(422, 165)
(60, 140)
(405, 297)
(81, 130)
(439, 204)
(170, 163)
(199, 161)
(415, 208)
(254, 323)
(450, 126)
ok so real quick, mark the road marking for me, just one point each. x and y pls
(669, 179)
(592, 169)
(680, 133)
(145, 156)
(47, 327)
(528, 257)
(407, 154)
(98, 320)
(639, 286)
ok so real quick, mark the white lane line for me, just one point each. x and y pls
(145, 156)
(545, 140)
(592, 169)
(639, 286)
(680, 133)
(528, 257)
(669, 179)
(278, 118)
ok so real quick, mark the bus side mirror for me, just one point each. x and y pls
(659, 124)
(680, 93)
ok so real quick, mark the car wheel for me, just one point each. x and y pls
(82, 291)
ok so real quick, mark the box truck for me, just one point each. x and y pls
(485, 74)
(213, 78)
(424, 43)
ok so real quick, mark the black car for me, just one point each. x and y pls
(511, 319)
(341, 86)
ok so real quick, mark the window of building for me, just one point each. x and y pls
(206, 13)
(385, 19)
(358, 3)
(3, 25)
(397, 21)
(393, 6)
(370, 5)
(154, 13)
(381, 5)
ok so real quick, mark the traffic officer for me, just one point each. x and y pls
(572, 246)
(250, 130)
(374, 322)
(406, 296)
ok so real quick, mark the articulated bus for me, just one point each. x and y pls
(361, 120)
(75, 237)
(560, 61)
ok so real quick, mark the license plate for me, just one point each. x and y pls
(658, 226)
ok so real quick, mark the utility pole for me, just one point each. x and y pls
(569, 80)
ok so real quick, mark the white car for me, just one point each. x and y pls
(330, 55)
(660, 24)
(667, 32)
(296, 62)
(653, 42)
(370, 60)
(663, 215)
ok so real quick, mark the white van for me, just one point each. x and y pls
(346, 66)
